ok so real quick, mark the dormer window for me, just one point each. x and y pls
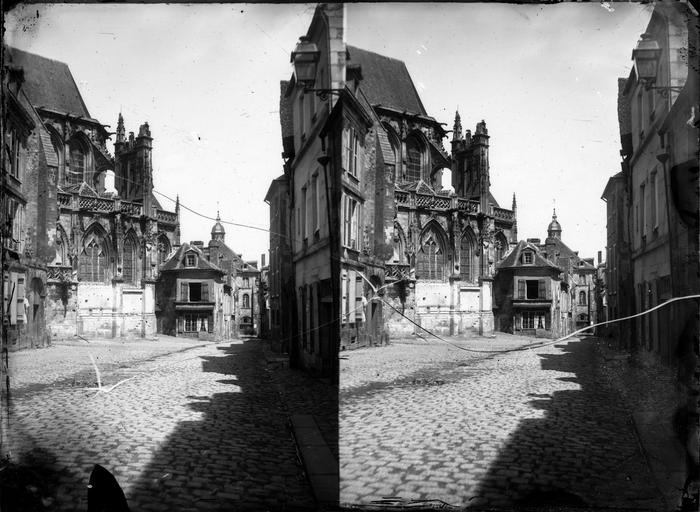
(191, 260)
(527, 258)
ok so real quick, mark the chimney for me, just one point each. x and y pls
(262, 260)
(600, 257)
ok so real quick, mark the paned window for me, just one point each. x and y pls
(527, 257)
(190, 260)
(351, 151)
(351, 222)
(582, 298)
(430, 261)
(467, 259)
(93, 262)
(414, 156)
(76, 173)
(130, 259)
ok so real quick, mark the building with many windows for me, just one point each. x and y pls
(545, 289)
(193, 296)
(105, 233)
(653, 236)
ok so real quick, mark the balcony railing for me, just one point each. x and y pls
(467, 205)
(59, 273)
(503, 214)
(168, 217)
(398, 270)
(434, 202)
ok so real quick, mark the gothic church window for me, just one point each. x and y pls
(467, 259)
(163, 249)
(414, 157)
(93, 261)
(129, 260)
(430, 260)
(78, 161)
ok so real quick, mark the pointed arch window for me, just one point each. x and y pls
(582, 298)
(501, 245)
(414, 159)
(130, 260)
(246, 301)
(430, 260)
(78, 161)
(93, 261)
(467, 259)
(163, 249)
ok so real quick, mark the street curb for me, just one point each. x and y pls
(319, 463)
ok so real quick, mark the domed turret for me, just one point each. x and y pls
(554, 229)
(218, 232)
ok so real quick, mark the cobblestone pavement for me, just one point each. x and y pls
(426, 420)
(201, 429)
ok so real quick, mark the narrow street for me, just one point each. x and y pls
(198, 428)
(426, 420)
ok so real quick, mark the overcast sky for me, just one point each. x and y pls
(206, 78)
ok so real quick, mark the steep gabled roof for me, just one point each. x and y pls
(386, 81)
(512, 259)
(48, 83)
(177, 260)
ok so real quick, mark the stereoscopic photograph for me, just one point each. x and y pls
(363, 256)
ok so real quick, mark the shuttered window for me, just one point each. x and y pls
(521, 289)
(205, 292)
(542, 292)
(184, 292)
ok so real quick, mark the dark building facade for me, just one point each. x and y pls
(281, 296)
(655, 239)
(105, 232)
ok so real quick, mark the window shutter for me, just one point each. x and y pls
(521, 289)
(183, 291)
(205, 292)
(542, 292)
(346, 148)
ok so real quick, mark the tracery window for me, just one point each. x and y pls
(76, 172)
(93, 261)
(414, 157)
(430, 260)
(467, 266)
(129, 260)
(163, 249)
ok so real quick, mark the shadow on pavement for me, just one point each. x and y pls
(240, 455)
(579, 451)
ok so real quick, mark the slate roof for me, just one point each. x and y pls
(512, 259)
(48, 83)
(177, 260)
(386, 81)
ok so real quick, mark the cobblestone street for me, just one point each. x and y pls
(425, 420)
(197, 428)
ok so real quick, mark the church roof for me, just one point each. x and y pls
(177, 260)
(386, 81)
(48, 83)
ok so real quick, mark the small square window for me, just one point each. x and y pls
(190, 260)
(527, 257)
